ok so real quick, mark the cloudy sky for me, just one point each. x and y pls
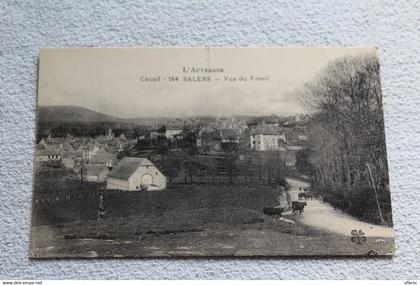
(109, 80)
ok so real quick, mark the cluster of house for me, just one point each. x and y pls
(72, 152)
(287, 142)
(212, 140)
(262, 135)
(95, 160)
(175, 132)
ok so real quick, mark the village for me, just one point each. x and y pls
(234, 180)
(216, 170)
(225, 149)
(197, 179)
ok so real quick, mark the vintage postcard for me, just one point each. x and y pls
(157, 152)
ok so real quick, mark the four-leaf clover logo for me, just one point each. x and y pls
(358, 236)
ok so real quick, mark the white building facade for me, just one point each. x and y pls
(263, 142)
(135, 174)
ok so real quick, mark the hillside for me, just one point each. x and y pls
(72, 114)
(57, 115)
(52, 116)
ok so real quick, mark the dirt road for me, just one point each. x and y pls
(322, 215)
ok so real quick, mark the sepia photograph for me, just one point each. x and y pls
(204, 152)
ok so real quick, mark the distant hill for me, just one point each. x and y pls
(72, 114)
(53, 116)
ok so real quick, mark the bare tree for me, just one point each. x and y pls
(347, 129)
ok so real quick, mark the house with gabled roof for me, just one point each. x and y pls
(103, 157)
(68, 158)
(42, 155)
(230, 138)
(49, 156)
(67, 146)
(94, 172)
(42, 144)
(297, 136)
(209, 140)
(230, 135)
(172, 133)
(267, 137)
(135, 174)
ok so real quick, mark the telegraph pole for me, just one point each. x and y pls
(376, 194)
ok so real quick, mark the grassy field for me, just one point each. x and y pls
(185, 220)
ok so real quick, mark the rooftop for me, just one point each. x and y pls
(95, 169)
(102, 157)
(267, 130)
(126, 167)
(230, 133)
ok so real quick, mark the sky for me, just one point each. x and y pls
(111, 81)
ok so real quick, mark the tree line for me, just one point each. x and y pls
(253, 168)
(60, 130)
(347, 152)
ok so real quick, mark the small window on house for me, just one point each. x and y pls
(156, 172)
